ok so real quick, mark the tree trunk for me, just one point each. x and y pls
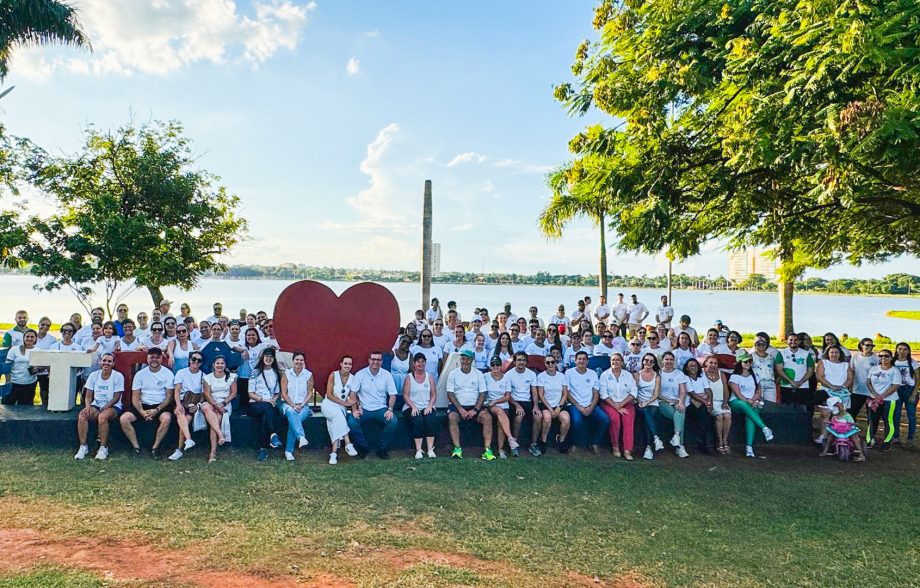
(603, 275)
(156, 294)
(786, 290)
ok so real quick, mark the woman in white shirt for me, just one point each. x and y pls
(45, 341)
(264, 392)
(22, 376)
(683, 351)
(746, 400)
(498, 393)
(648, 387)
(480, 353)
(419, 393)
(698, 401)
(503, 349)
(128, 341)
(552, 394)
(178, 350)
(399, 365)
(719, 395)
(296, 391)
(188, 397)
(432, 352)
(339, 398)
(673, 397)
(618, 399)
(907, 392)
(836, 378)
(861, 363)
(219, 389)
(883, 383)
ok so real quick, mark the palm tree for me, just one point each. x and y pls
(570, 200)
(37, 22)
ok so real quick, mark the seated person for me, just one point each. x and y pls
(376, 394)
(466, 391)
(102, 397)
(151, 398)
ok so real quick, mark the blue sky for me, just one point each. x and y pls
(326, 118)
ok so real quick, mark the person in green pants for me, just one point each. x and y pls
(746, 399)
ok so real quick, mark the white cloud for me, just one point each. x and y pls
(463, 227)
(353, 66)
(162, 36)
(372, 34)
(468, 157)
(521, 167)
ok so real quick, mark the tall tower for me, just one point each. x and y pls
(426, 247)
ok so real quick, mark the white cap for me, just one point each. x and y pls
(832, 401)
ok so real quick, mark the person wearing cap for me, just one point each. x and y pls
(164, 308)
(151, 398)
(746, 399)
(560, 319)
(683, 326)
(722, 330)
(842, 424)
(578, 315)
(475, 329)
(637, 313)
(466, 392)
(512, 318)
(376, 394)
(498, 393)
(434, 312)
(218, 313)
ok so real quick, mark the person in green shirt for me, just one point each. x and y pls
(13, 337)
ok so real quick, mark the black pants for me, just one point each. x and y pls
(703, 422)
(20, 394)
(857, 401)
(43, 389)
(267, 416)
(424, 425)
(622, 328)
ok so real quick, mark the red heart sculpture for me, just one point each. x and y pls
(309, 317)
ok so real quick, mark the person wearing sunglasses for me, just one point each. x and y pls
(188, 397)
(178, 349)
(156, 338)
(376, 395)
(617, 393)
(883, 383)
(427, 346)
(605, 348)
(67, 342)
(102, 405)
(765, 368)
(439, 336)
(861, 362)
(745, 399)
(552, 392)
(632, 359)
(128, 341)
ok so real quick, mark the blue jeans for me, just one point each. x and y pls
(903, 394)
(579, 428)
(295, 424)
(371, 416)
(651, 429)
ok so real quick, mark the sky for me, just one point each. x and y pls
(326, 118)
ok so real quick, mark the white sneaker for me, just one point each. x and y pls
(658, 444)
(649, 454)
(419, 454)
(288, 456)
(749, 451)
(81, 453)
(431, 453)
(681, 452)
(349, 449)
(302, 442)
(176, 455)
(675, 440)
(502, 454)
(188, 445)
(513, 444)
(103, 453)
(334, 459)
(768, 434)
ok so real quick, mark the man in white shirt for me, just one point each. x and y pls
(578, 315)
(538, 347)
(665, 313)
(601, 311)
(218, 313)
(589, 308)
(512, 318)
(434, 312)
(452, 306)
(466, 391)
(102, 398)
(637, 313)
(151, 398)
(164, 308)
(517, 344)
(683, 326)
(376, 394)
(583, 404)
(620, 316)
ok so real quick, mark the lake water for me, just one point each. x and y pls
(743, 311)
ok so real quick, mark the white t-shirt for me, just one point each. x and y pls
(153, 386)
(746, 385)
(861, 365)
(104, 390)
(620, 312)
(191, 383)
(373, 391)
(520, 383)
(602, 312)
(452, 347)
(73, 346)
(664, 315)
(534, 349)
(48, 342)
(907, 375)
(697, 386)
(883, 379)
(432, 355)
(132, 346)
(466, 387)
(670, 384)
(552, 387)
(19, 373)
(107, 344)
(297, 385)
(601, 350)
(581, 386)
(636, 312)
(617, 388)
(220, 387)
(495, 389)
(718, 349)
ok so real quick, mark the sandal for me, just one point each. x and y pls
(212, 458)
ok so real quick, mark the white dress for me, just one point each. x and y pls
(336, 423)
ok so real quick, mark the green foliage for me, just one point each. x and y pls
(36, 22)
(133, 212)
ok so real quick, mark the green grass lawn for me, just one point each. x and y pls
(904, 314)
(790, 520)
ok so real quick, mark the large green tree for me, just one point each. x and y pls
(788, 124)
(36, 22)
(134, 212)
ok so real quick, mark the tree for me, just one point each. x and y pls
(133, 213)
(37, 22)
(788, 124)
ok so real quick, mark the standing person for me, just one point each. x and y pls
(426, 346)
(121, 312)
(264, 392)
(45, 341)
(861, 362)
(883, 383)
(720, 408)
(618, 400)
(184, 310)
(637, 313)
(765, 368)
(698, 402)
(129, 342)
(907, 391)
(589, 310)
(532, 312)
(578, 315)
(67, 343)
(498, 393)
(620, 315)
(794, 367)
(419, 394)
(458, 344)
(219, 389)
(252, 349)
(830, 340)
(102, 404)
(151, 398)
(648, 387)
(683, 326)
(746, 400)
(602, 311)
(836, 378)
(296, 391)
(338, 400)
(522, 382)
(399, 365)
(218, 313)
(376, 395)
(143, 326)
(440, 337)
(179, 349)
(673, 397)
(466, 391)
(452, 306)
(434, 312)
(13, 337)
(187, 394)
(665, 313)
(22, 375)
(552, 392)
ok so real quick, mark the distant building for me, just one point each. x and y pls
(750, 260)
(435, 260)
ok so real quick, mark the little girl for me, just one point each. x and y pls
(843, 425)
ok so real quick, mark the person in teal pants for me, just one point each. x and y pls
(746, 399)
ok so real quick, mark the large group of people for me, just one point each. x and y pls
(659, 374)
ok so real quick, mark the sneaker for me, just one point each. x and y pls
(819, 440)
(263, 454)
(768, 434)
(534, 450)
(502, 454)
(513, 444)
(302, 442)
(515, 452)
(681, 452)
(362, 452)
(542, 446)
(333, 458)
(288, 456)
(649, 454)
(886, 446)
(275, 441)
(487, 455)
(675, 440)
(658, 444)
(383, 454)
(176, 455)
(749, 451)
(81, 453)
(594, 449)
(188, 445)
(419, 454)
(457, 453)
(431, 453)
(103, 453)
(135, 452)
(350, 450)
(155, 453)
(564, 446)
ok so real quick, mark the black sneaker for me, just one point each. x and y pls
(886, 446)
(564, 446)
(136, 452)
(383, 454)
(542, 446)
(155, 453)
(362, 452)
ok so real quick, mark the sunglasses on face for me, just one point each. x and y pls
(181, 331)
(67, 330)
(551, 362)
(194, 360)
(157, 330)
